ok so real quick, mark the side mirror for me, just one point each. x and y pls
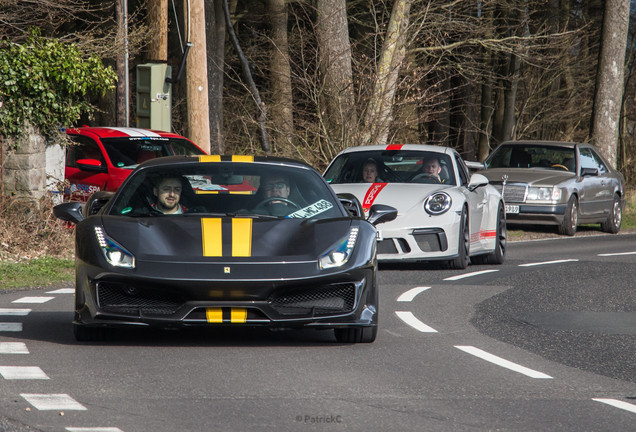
(351, 204)
(90, 165)
(69, 212)
(475, 166)
(380, 213)
(589, 172)
(477, 180)
(96, 202)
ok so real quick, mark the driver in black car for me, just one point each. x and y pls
(168, 193)
(274, 186)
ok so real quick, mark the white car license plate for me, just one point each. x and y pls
(512, 209)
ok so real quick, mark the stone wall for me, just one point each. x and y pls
(24, 168)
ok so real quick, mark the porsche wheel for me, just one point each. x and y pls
(499, 254)
(571, 218)
(461, 262)
(356, 334)
(615, 217)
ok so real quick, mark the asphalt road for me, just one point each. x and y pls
(544, 342)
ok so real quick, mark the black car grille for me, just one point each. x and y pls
(130, 300)
(512, 193)
(330, 299)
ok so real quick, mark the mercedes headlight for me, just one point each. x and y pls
(339, 254)
(115, 254)
(544, 194)
(438, 203)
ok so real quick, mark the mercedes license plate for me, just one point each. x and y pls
(512, 209)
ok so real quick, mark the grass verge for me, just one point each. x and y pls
(36, 272)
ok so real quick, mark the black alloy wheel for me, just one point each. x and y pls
(461, 262)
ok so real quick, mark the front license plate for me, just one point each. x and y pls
(512, 209)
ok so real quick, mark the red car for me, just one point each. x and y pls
(101, 158)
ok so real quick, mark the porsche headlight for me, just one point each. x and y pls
(544, 194)
(438, 203)
(115, 254)
(339, 254)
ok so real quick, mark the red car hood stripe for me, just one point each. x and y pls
(371, 195)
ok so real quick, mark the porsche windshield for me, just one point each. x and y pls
(131, 151)
(391, 166)
(532, 156)
(226, 188)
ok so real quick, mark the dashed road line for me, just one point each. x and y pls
(14, 312)
(13, 348)
(502, 362)
(22, 373)
(93, 429)
(62, 291)
(44, 402)
(467, 275)
(33, 300)
(618, 404)
(410, 294)
(548, 262)
(616, 254)
(10, 327)
(410, 319)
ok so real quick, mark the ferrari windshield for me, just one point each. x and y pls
(130, 151)
(226, 188)
(532, 156)
(391, 166)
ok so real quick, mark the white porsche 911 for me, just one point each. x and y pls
(444, 213)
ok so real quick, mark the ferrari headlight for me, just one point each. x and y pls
(544, 194)
(438, 203)
(115, 254)
(339, 254)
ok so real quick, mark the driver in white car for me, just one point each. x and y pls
(432, 167)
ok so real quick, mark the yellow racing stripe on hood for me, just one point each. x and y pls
(241, 237)
(210, 158)
(212, 237)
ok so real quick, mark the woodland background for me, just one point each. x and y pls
(332, 73)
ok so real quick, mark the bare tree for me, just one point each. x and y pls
(609, 78)
(215, 42)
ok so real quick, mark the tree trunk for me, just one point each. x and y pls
(486, 96)
(609, 78)
(197, 79)
(337, 109)
(157, 20)
(215, 44)
(379, 112)
(510, 98)
(120, 91)
(280, 78)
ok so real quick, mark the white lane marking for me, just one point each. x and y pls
(617, 254)
(45, 402)
(410, 294)
(410, 319)
(502, 362)
(22, 372)
(547, 262)
(62, 291)
(10, 327)
(33, 300)
(93, 429)
(477, 273)
(618, 404)
(14, 312)
(13, 348)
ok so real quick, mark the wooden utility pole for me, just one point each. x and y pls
(157, 21)
(120, 92)
(197, 78)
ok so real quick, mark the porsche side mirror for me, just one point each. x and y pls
(380, 213)
(477, 180)
(69, 212)
(90, 165)
(351, 204)
(589, 172)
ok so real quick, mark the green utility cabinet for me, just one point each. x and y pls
(154, 96)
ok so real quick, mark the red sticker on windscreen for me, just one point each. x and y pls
(371, 195)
